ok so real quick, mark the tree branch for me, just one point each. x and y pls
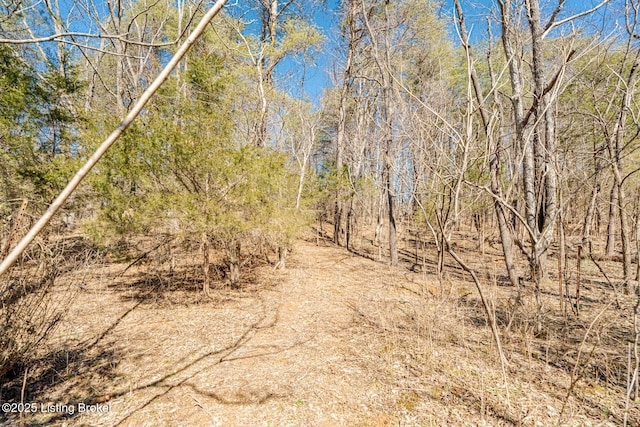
(55, 37)
(551, 25)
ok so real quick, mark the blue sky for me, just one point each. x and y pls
(317, 77)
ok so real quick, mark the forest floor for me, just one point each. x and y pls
(335, 339)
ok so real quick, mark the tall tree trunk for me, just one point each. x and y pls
(625, 237)
(615, 149)
(544, 148)
(522, 149)
(495, 148)
(266, 64)
(342, 122)
(393, 239)
(386, 112)
(388, 155)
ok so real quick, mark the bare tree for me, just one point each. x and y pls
(619, 144)
(381, 50)
(535, 132)
(494, 151)
(351, 36)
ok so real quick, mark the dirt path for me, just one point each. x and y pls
(335, 340)
(280, 356)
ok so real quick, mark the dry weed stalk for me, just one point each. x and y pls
(27, 315)
(29, 309)
(490, 317)
(574, 372)
(633, 383)
(17, 222)
(22, 390)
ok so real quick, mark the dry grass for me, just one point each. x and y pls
(336, 339)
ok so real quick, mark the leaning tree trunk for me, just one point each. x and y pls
(111, 139)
